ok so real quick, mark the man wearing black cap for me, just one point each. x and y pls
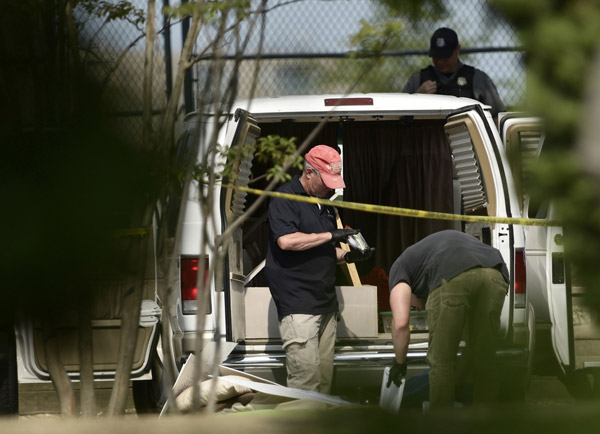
(449, 76)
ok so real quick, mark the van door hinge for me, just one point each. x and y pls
(150, 313)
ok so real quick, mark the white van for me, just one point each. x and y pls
(554, 292)
(426, 152)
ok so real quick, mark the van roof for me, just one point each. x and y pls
(356, 103)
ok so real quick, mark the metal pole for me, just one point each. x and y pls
(188, 94)
(168, 60)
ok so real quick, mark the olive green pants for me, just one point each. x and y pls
(309, 343)
(474, 300)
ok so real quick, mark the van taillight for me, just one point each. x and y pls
(520, 279)
(189, 283)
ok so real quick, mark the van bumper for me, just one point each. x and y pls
(358, 370)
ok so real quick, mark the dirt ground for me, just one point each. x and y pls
(548, 407)
(525, 418)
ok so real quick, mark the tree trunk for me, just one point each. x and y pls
(148, 66)
(86, 360)
(130, 319)
(165, 135)
(58, 374)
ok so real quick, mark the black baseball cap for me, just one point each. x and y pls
(443, 42)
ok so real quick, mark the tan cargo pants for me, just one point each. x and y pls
(309, 343)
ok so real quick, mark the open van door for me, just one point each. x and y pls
(575, 333)
(552, 284)
(244, 139)
(482, 185)
(523, 139)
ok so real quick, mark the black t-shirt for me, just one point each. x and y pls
(300, 281)
(442, 255)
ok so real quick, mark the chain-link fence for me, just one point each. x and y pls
(304, 52)
(306, 45)
(112, 52)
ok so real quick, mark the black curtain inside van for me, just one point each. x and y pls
(403, 164)
(397, 163)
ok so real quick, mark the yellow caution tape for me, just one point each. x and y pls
(132, 232)
(403, 212)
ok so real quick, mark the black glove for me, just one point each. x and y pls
(341, 234)
(357, 255)
(397, 374)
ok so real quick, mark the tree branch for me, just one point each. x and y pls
(148, 69)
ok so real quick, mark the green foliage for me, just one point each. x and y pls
(519, 13)
(389, 30)
(210, 11)
(561, 39)
(110, 11)
(373, 39)
(414, 9)
(575, 199)
(278, 151)
(272, 151)
(201, 173)
(233, 155)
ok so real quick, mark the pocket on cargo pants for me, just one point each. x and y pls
(299, 334)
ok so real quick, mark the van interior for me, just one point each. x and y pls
(403, 162)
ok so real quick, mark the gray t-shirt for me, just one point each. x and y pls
(442, 255)
(484, 88)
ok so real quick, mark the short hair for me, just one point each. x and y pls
(308, 166)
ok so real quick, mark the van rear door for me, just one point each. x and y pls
(107, 307)
(523, 139)
(575, 334)
(233, 206)
(552, 285)
(484, 186)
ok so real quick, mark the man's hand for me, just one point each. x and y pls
(397, 374)
(428, 86)
(341, 234)
(357, 255)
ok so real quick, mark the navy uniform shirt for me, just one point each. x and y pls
(301, 281)
(483, 88)
(442, 255)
